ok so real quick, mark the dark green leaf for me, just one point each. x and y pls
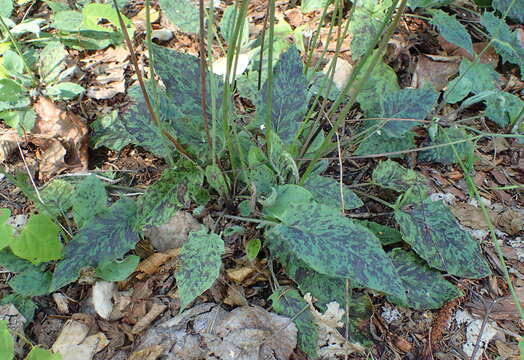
(90, 199)
(333, 245)
(105, 238)
(452, 30)
(426, 288)
(6, 341)
(434, 234)
(379, 143)
(382, 80)
(182, 13)
(406, 104)
(327, 191)
(391, 175)
(504, 108)
(516, 12)
(474, 78)
(13, 263)
(109, 131)
(289, 102)
(445, 154)
(57, 198)
(385, 234)
(365, 25)
(288, 302)
(505, 41)
(199, 265)
(31, 282)
(23, 304)
(118, 270)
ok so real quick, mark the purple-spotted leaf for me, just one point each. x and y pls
(199, 265)
(90, 198)
(382, 80)
(335, 246)
(452, 30)
(289, 101)
(426, 288)
(446, 154)
(327, 191)
(406, 104)
(108, 236)
(391, 175)
(505, 41)
(365, 25)
(385, 234)
(435, 235)
(379, 143)
(288, 302)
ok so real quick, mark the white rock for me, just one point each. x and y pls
(162, 35)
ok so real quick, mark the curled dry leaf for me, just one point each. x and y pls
(73, 342)
(343, 70)
(108, 67)
(489, 56)
(8, 139)
(148, 318)
(150, 265)
(174, 233)
(435, 70)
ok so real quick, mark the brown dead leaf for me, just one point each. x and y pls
(8, 144)
(489, 56)
(510, 221)
(470, 216)
(149, 353)
(235, 296)
(147, 319)
(503, 308)
(434, 70)
(62, 137)
(150, 265)
(240, 274)
(108, 67)
(507, 351)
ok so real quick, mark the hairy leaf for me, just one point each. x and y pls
(452, 30)
(505, 41)
(504, 108)
(327, 191)
(38, 241)
(379, 143)
(118, 270)
(474, 78)
(426, 288)
(385, 234)
(334, 245)
(6, 341)
(445, 154)
(289, 102)
(199, 265)
(288, 302)
(434, 234)
(57, 198)
(516, 11)
(391, 175)
(382, 80)
(90, 199)
(6, 230)
(182, 13)
(106, 237)
(23, 304)
(406, 104)
(31, 282)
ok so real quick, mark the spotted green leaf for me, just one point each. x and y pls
(327, 191)
(52, 61)
(335, 246)
(474, 78)
(13, 263)
(289, 101)
(505, 41)
(365, 26)
(31, 283)
(90, 199)
(118, 270)
(37, 353)
(380, 142)
(516, 11)
(6, 230)
(104, 238)
(23, 304)
(288, 302)
(109, 131)
(57, 198)
(182, 13)
(445, 154)
(6, 341)
(382, 80)
(199, 265)
(38, 241)
(452, 30)
(391, 175)
(504, 108)
(406, 104)
(426, 288)
(434, 234)
(385, 234)
(260, 174)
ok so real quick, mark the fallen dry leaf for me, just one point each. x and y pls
(8, 144)
(489, 56)
(73, 342)
(240, 274)
(149, 353)
(434, 70)
(150, 265)
(108, 67)
(510, 221)
(102, 298)
(148, 318)
(174, 233)
(503, 308)
(343, 70)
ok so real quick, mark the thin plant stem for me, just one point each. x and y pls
(269, 105)
(203, 67)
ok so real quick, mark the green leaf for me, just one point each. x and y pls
(311, 5)
(382, 80)
(109, 131)
(445, 154)
(414, 4)
(406, 104)
(6, 230)
(334, 245)
(37, 353)
(182, 13)
(199, 265)
(68, 20)
(6, 341)
(260, 174)
(12, 62)
(277, 203)
(452, 30)
(118, 270)
(516, 12)
(253, 248)
(23, 304)
(21, 120)
(385, 234)
(64, 90)
(51, 61)
(56, 6)
(434, 234)
(379, 143)
(10, 92)
(90, 199)
(13, 263)
(91, 40)
(326, 191)
(6, 8)
(93, 13)
(38, 241)
(503, 108)
(174, 190)
(227, 25)
(57, 198)
(365, 25)
(288, 302)
(505, 41)
(289, 102)
(217, 180)
(426, 288)
(391, 175)
(474, 78)
(31, 283)
(104, 238)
